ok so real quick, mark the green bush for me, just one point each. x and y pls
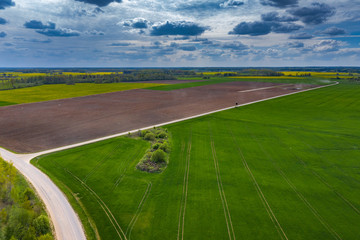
(161, 135)
(41, 224)
(156, 146)
(143, 133)
(45, 237)
(165, 147)
(149, 136)
(158, 156)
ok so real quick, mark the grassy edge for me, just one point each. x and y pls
(88, 223)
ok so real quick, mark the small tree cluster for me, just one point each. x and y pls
(156, 157)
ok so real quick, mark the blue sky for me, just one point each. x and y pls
(179, 33)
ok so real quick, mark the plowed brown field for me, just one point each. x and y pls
(40, 126)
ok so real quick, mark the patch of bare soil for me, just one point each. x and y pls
(40, 126)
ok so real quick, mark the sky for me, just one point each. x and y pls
(179, 33)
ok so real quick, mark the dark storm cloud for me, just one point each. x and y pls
(58, 33)
(301, 36)
(100, 3)
(34, 24)
(262, 28)
(333, 31)
(3, 21)
(275, 17)
(178, 28)
(6, 3)
(296, 44)
(2, 34)
(317, 13)
(279, 3)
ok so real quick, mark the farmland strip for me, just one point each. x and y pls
(302, 197)
(227, 215)
(260, 193)
(105, 208)
(138, 211)
(181, 225)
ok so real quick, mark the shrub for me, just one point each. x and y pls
(156, 146)
(41, 224)
(45, 237)
(149, 136)
(143, 133)
(161, 135)
(165, 147)
(158, 156)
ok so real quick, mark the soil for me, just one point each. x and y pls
(36, 127)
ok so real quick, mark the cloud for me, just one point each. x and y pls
(317, 13)
(95, 33)
(333, 31)
(63, 32)
(275, 17)
(301, 36)
(2, 34)
(188, 48)
(178, 28)
(100, 3)
(39, 41)
(231, 4)
(279, 3)
(285, 27)
(327, 46)
(296, 44)
(51, 31)
(6, 3)
(2, 21)
(138, 23)
(122, 44)
(252, 28)
(34, 24)
(237, 46)
(262, 28)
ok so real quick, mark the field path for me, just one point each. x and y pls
(66, 222)
(182, 211)
(227, 215)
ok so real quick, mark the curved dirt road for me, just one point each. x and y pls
(66, 222)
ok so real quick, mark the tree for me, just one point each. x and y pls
(41, 224)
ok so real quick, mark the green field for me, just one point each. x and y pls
(215, 80)
(287, 168)
(60, 91)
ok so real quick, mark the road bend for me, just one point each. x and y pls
(66, 223)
